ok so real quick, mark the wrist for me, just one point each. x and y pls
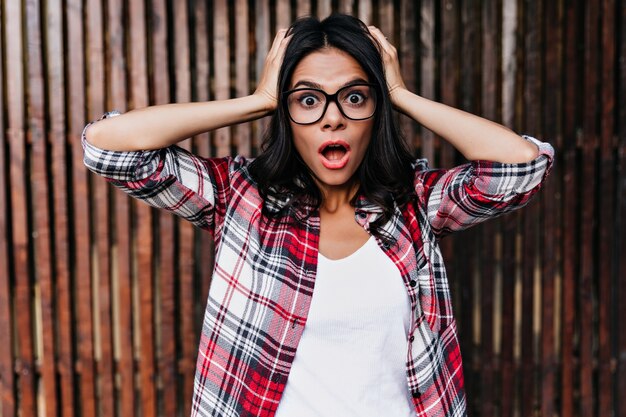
(400, 97)
(265, 101)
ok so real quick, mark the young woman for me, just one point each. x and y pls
(329, 295)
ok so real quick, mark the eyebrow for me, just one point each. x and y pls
(312, 84)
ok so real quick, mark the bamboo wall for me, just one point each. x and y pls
(101, 297)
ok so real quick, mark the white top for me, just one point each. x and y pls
(351, 358)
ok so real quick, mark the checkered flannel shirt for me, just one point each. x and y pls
(264, 273)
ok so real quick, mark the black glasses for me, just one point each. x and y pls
(306, 106)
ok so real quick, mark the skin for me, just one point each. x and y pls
(332, 69)
(161, 126)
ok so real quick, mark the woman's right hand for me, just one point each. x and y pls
(268, 83)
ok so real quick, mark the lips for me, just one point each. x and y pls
(334, 154)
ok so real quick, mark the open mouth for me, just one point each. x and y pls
(334, 154)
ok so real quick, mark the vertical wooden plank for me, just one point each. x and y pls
(568, 312)
(143, 249)
(621, 216)
(221, 64)
(490, 97)
(242, 64)
(531, 124)
(202, 87)
(366, 12)
(427, 71)
(551, 232)
(157, 386)
(570, 254)
(96, 105)
(347, 6)
(24, 360)
(468, 257)
(283, 20)
(121, 323)
(507, 360)
(408, 54)
(449, 68)
(324, 8)
(450, 13)
(7, 377)
(40, 207)
(303, 8)
(82, 249)
(587, 229)
(203, 141)
(185, 239)
(386, 21)
(166, 236)
(509, 63)
(606, 210)
(263, 42)
(56, 111)
(509, 223)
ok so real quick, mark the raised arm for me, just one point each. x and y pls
(475, 137)
(164, 125)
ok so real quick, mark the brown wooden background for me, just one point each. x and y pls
(101, 298)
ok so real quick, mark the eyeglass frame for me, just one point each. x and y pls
(330, 98)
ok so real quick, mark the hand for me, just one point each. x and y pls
(392, 65)
(268, 83)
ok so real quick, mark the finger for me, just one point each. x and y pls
(280, 36)
(381, 38)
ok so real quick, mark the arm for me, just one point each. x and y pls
(475, 137)
(161, 126)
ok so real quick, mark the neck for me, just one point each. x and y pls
(336, 196)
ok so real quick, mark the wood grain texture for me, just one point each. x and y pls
(7, 375)
(606, 211)
(551, 232)
(620, 232)
(40, 206)
(587, 295)
(81, 208)
(427, 72)
(61, 224)
(536, 293)
(23, 291)
(181, 312)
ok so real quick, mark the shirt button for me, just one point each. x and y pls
(362, 215)
(413, 283)
(411, 339)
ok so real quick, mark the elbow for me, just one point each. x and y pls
(94, 136)
(530, 152)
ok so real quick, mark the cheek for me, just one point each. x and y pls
(299, 139)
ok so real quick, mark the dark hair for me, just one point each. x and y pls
(384, 176)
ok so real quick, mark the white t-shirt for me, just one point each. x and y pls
(351, 360)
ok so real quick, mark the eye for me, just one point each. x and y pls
(308, 99)
(356, 98)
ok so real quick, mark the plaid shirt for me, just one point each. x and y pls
(264, 272)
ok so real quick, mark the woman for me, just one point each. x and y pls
(327, 268)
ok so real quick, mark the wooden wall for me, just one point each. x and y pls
(101, 297)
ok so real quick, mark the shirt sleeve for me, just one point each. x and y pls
(171, 178)
(471, 193)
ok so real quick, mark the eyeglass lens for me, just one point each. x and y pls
(308, 105)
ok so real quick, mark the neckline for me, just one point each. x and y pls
(321, 255)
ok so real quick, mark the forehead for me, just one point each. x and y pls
(331, 68)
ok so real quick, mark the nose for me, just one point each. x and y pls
(333, 119)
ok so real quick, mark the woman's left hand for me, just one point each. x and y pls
(392, 65)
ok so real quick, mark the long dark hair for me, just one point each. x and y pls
(385, 175)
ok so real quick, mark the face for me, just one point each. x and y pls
(334, 146)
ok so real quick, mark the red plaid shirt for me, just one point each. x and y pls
(264, 272)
